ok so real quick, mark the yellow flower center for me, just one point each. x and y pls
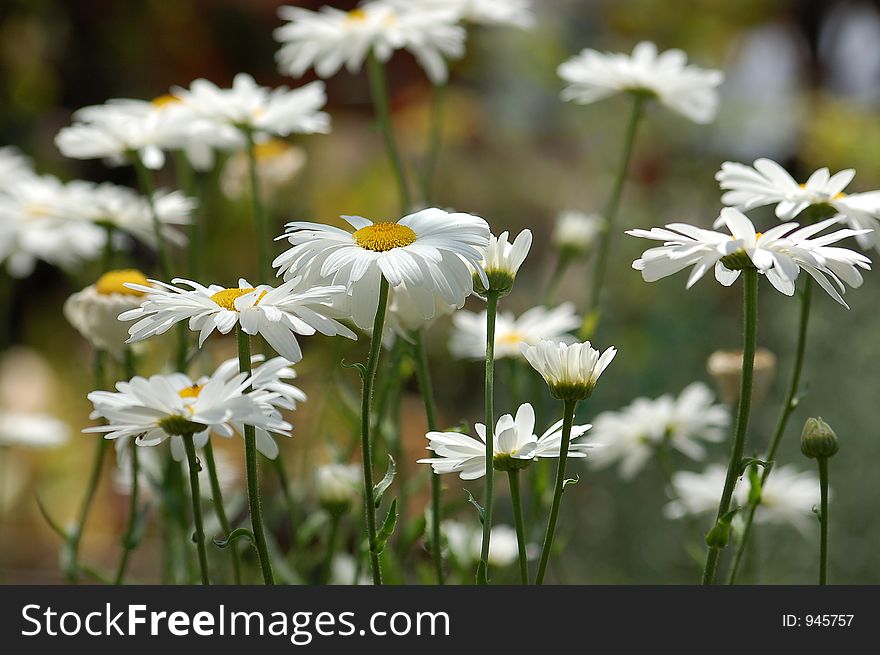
(509, 339)
(837, 196)
(114, 282)
(356, 15)
(227, 297)
(165, 100)
(271, 149)
(758, 235)
(381, 237)
(191, 391)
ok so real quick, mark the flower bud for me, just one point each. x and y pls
(338, 486)
(818, 439)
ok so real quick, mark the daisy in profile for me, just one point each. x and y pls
(501, 261)
(768, 183)
(779, 254)
(278, 314)
(575, 233)
(463, 542)
(515, 446)
(329, 39)
(570, 370)
(631, 436)
(686, 89)
(32, 430)
(338, 486)
(431, 250)
(468, 338)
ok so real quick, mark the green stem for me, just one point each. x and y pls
(614, 204)
(513, 478)
(491, 312)
(750, 327)
(145, 180)
(330, 548)
(567, 421)
(382, 107)
(265, 270)
(128, 541)
(427, 389)
(186, 180)
(196, 505)
(435, 136)
(369, 377)
(785, 412)
(250, 451)
(823, 520)
(220, 509)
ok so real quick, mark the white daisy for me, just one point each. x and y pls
(432, 250)
(468, 338)
(278, 314)
(405, 311)
(464, 543)
(688, 90)
(570, 370)
(768, 183)
(780, 253)
(788, 497)
(278, 165)
(338, 486)
(330, 38)
(631, 436)
(516, 13)
(515, 445)
(14, 167)
(501, 261)
(253, 108)
(32, 430)
(575, 232)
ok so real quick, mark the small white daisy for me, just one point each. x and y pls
(468, 338)
(278, 314)
(278, 165)
(691, 91)
(575, 233)
(14, 167)
(406, 310)
(338, 486)
(431, 250)
(515, 445)
(501, 262)
(516, 13)
(32, 430)
(464, 543)
(570, 370)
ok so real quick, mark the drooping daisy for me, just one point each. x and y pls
(431, 250)
(338, 486)
(514, 441)
(468, 338)
(631, 436)
(463, 541)
(780, 253)
(329, 39)
(32, 430)
(575, 232)
(768, 183)
(570, 370)
(278, 165)
(691, 91)
(501, 262)
(278, 314)
(788, 497)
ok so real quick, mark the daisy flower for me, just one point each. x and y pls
(787, 498)
(329, 39)
(432, 250)
(405, 311)
(631, 436)
(780, 254)
(570, 370)
(575, 232)
(516, 13)
(278, 165)
(338, 486)
(278, 314)
(768, 183)
(249, 107)
(691, 91)
(32, 430)
(464, 541)
(468, 339)
(501, 262)
(515, 446)
(14, 167)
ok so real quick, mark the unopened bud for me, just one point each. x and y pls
(818, 439)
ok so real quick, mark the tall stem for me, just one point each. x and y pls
(750, 325)
(250, 452)
(614, 204)
(567, 420)
(785, 413)
(128, 541)
(186, 180)
(265, 270)
(220, 509)
(369, 377)
(435, 136)
(491, 312)
(427, 389)
(823, 520)
(382, 107)
(145, 179)
(513, 479)
(196, 505)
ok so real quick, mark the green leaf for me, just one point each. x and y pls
(360, 368)
(387, 528)
(235, 535)
(382, 486)
(480, 509)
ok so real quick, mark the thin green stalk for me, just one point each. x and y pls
(435, 137)
(785, 412)
(260, 219)
(427, 389)
(491, 312)
(220, 509)
(145, 179)
(513, 478)
(250, 451)
(369, 377)
(382, 107)
(750, 328)
(569, 407)
(823, 520)
(330, 548)
(614, 204)
(186, 180)
(196, 505)
(128, 540)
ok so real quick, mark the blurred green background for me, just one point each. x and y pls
(802, 87)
